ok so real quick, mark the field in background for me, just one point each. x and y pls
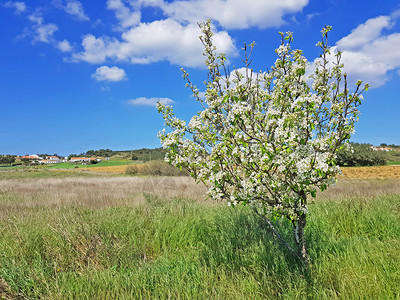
(120, 164)
(76, 234)
(110, 163)
(26, 173)
(378, 172)
(121, 169)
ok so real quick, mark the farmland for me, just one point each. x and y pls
(111, 163)
(379, 172)
(80, 234)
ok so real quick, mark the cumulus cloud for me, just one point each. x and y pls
(64, 46)
(365, 33)
(126, 16)
(163, 40)
(75, 9)
(143, 101)
(368, 53)
(105, 73)
(234, 14)
(42, 32)
(175, 39)
(45, 32)
(19, 7)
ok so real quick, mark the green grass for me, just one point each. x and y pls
(391, 163)
(68, 165)
(32, 172)
(109, 163)
(182, 249)
(6, 165)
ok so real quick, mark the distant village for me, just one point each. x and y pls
(51, 159)
(387, 149)
(88, 157)
(144, 154)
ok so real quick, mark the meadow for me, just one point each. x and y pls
(85, 235)
(104, 163)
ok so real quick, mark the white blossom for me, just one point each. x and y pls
(268, 139)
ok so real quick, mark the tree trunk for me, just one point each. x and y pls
(298, 232)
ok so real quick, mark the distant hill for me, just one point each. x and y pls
(143, 154)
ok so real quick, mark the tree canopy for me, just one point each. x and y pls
(269, 138)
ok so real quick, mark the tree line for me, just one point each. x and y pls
(361, 155)
(7, 159)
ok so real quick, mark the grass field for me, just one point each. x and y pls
(107, 237)
(26, 173)
(109, 163)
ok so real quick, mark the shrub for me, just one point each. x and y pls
(360, 155)
(7, 159)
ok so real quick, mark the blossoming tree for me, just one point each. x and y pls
(266, 139)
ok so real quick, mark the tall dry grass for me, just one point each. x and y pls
(360, 188)
(93, 192)
(97, 192)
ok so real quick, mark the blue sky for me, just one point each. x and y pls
(81, 75)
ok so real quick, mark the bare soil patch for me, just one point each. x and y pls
(110, 169)
(379, 172)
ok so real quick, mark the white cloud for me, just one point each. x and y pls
(365, 33)
(42, 32)
(175, 39)
(126, 17)
(75, 8)
(368, 54)
(164, 40)
(35, 18)
(105, 73)
(143, 101)
(45, 32)
(96, 50)
(234, 14)
(19, 7)
(64, 46)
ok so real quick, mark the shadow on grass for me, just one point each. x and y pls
(239, 241)
(239, 238)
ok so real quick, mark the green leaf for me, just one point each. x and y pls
(300, 72)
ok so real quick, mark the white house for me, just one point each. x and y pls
(80, 159)
(51, 160)
(84, 159)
